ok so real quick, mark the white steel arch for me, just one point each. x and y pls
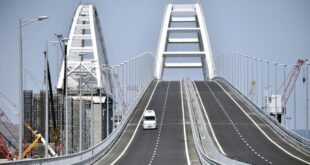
(86, 53)
(184, 19)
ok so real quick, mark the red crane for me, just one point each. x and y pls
(7, 123)
(4, 150)
(9, 126)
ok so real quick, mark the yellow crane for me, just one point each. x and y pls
(38, 137)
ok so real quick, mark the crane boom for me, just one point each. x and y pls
(292, 77)
(55, 134)
(34, 143)
(4, 150)
(8, 125)
(9, 104)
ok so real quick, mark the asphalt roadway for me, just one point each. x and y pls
(241, 134)
(166, 144)
(237, 135)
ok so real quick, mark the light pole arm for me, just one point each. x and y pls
(22, 23)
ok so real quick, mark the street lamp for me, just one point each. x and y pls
(22, 23)
(307, 100)
(262, 81)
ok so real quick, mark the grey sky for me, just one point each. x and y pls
(278, 30)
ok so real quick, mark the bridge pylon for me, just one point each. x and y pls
(86, 54)
(184, 35)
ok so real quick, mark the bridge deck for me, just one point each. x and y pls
(237, 135)
(166, 145)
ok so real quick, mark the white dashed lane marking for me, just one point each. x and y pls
(160, 127)
(235, 127)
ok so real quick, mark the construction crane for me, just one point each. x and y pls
(7, 123)
(9, 104)
(4, 149)
(38, 137)
(292, 77)
(55, 133)
(9, 126)
(277, 103)
(12, 130)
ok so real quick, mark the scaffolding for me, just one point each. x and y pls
(35, 116)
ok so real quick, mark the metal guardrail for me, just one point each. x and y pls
(207, 152)
(92, 154)
(288, 135)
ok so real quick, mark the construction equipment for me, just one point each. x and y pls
(7, 123)
(4, 149)
(9, 104)
(292, 77)
(34, 143)
(55, 134)
(9, 126)
(276, 104)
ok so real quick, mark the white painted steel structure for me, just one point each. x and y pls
(86, 41)
(86, 60)
(189, 21)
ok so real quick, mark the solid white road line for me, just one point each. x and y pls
(260, 128)
(134, 134)
(184, 127)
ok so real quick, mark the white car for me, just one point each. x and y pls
(149, 119)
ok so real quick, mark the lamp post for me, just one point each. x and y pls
(65, 94)
(247, 76)
(22, 23)
(262, 74)
(294, 107)
(284, 108)
(307, 100)
(256, 79)
(275, 89)
(268, 85)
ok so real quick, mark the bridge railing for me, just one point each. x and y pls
(141, 74)
(207, 151)
(258, 79)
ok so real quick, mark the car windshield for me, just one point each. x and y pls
(149, 118)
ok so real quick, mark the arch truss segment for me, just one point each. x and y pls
(184, 35)
(86, 53)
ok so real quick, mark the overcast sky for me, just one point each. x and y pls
(277, 30)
